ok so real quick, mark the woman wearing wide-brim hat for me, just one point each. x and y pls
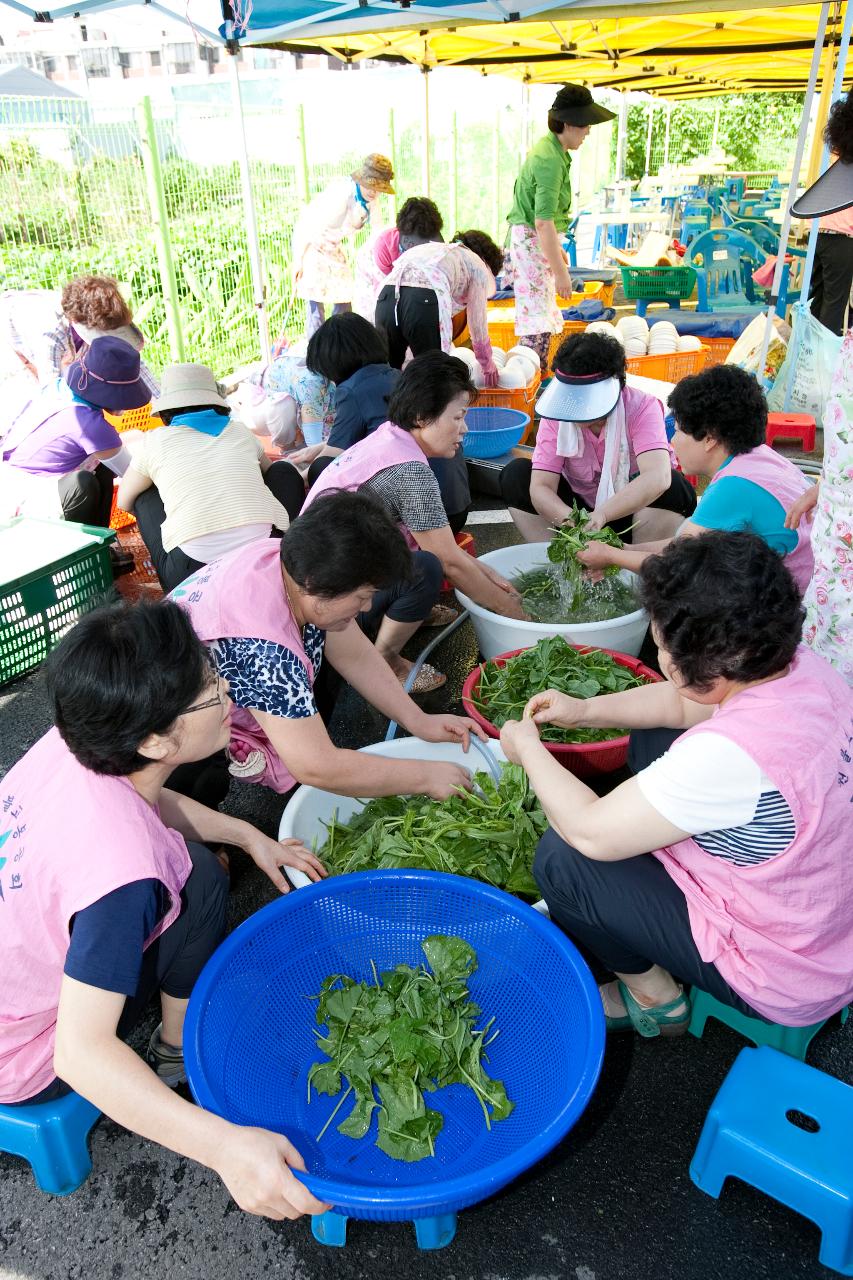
(201, 485)
(53, 449)
(323, 276)
(540, 216)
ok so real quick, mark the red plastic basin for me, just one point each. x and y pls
(583, 759)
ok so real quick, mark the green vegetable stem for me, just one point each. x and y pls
(408, 1034)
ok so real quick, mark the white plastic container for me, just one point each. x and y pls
(309, 807)
(497, 634)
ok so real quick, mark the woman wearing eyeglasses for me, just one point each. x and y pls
(92, 928)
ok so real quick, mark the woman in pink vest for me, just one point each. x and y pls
(426, 420)
(725, 863)
(720, 421)
(92, 927)
(601, 445)
(418, 222)
(272, 611)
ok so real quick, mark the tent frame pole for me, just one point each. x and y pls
(258, 288)
(792, 187)
(425, 160)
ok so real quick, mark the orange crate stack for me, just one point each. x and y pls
(718, 349)
(521, 398)
(668, 368)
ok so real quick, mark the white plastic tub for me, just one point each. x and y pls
(310, 808)
(500, 635)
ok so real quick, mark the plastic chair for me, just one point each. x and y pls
(787, 1129)
(723, 260)
(728, 212)
(793, 426)
(792, 1040)
(52, 1136)
(735, 188)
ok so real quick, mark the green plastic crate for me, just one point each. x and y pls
(37, 608)
(658, 284)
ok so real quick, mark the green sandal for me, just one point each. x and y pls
(652, 1022)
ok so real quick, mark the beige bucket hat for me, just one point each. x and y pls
(184, 386)
(376, 171)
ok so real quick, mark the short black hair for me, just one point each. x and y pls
(583, 353)
(723, 605)
(344, 344)
(426, 387)
(342, 542)
(484, 247)
(838, 134)
(122, 673)
(555, 124)
(420, 217)
(166, 415)
(723, 402)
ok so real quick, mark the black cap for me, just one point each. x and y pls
(574, 105)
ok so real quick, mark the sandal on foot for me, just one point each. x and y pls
(252, 767)
(441, 616)
(428, 679)
(659, 1020)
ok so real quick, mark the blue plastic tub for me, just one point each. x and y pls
(249, 1038)
(493, 431)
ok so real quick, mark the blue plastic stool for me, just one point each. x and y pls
(52, 1136)
(431, 1233)
(752, 1133)
(792, 1040)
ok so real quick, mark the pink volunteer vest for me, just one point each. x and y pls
(67, 837)
(769, 469)
(388, 446)
(781, 932)
(243, 595)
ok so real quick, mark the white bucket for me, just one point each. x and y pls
(309, 808)
(497, 634)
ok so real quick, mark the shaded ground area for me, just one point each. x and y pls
(613, 1202)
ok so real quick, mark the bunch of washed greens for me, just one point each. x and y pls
(410, 1032)
(489, 833)
(504, 691)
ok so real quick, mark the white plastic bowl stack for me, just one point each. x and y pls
(499, 357)
(635, 334)
(605, 327)
(525, 353)
(663, 339)
(515, 374)
(688, 342)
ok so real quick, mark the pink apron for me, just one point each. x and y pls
(781, 931)
(67, 838)
(421, 266)
(243, 595)
(388, 446)
(771, 471)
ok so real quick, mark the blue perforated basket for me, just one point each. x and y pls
(249, 1038)
(493, 431)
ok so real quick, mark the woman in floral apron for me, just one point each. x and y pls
(540, 215)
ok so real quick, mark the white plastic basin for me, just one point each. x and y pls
(500, 635)
(309, 808)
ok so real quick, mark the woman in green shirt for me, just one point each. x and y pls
(540, 215)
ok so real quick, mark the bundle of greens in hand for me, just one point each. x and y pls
(410, 1033)
(562, 591)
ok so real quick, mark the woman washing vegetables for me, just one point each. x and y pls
(724, 864)
(602, 445)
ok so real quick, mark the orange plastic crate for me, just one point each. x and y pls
(134, 420)
(521, 398)
(718, 349)
(668, 368)
(119, 519)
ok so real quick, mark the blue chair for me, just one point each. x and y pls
(723, 260)
(787, 1129)
(570, 242)
(728, 212)
(792, 1040)
(696, 217)
(735, 188)
(52, 1136)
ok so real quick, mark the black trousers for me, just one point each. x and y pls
(174, 567)
(174, 961)
(832, 277)
(407, 601)
(87, 496)
(413, 322)
(680, 497)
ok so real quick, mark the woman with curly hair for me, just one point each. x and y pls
(601, 445)
(720, 421)
(725, 862)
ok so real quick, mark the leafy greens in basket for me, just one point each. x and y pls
(504, 691)
(409, 1034)
(490, 834)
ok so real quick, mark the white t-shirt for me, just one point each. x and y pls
(208, 484)
(712, 789)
